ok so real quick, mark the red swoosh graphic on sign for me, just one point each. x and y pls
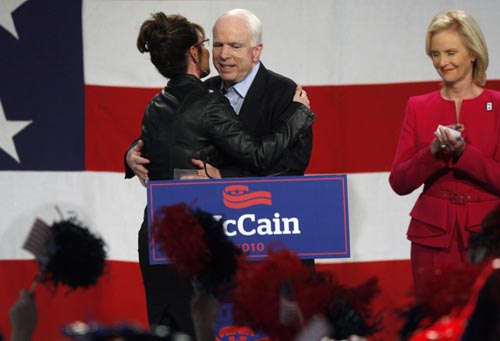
(238, 196)
(245, 197)
(248, 203)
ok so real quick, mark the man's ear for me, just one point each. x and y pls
(257, 52)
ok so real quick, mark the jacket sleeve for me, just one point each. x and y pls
(295, 158)
(485, 170)
(293, 161)
(227, 133)
(413, 163)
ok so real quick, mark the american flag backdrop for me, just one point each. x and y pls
(73, 89)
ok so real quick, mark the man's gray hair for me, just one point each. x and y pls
(251, 19)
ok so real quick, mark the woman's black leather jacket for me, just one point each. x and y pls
(187, 120)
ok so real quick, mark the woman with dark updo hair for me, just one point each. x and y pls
(186, 121)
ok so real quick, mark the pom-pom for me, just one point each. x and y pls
(181, 237)
(220, 269)
(258, 295)
(293, 295)
(196, 243)
(73, 257)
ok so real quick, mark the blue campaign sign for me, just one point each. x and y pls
(306, 214)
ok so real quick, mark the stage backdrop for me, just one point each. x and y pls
(73, 88)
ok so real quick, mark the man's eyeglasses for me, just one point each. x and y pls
(203, 43)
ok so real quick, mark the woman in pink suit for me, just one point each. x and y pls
(461, 175)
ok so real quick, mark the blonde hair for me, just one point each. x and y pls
(471, 35)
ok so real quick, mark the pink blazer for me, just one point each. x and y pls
(456, 193)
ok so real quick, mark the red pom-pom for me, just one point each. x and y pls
(181, 237)
(258, 294)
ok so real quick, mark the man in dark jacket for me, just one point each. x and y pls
(258, 95)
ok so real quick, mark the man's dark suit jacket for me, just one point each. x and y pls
(264, 105)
